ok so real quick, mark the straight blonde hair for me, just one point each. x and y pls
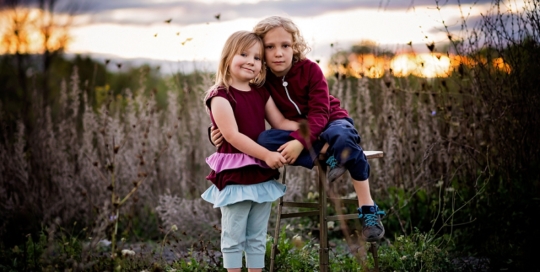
(237, 43)
(299, 46)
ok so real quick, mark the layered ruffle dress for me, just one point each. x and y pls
(236, 176)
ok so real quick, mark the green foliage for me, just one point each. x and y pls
(293, 256)
(416, 252)
(504, 228)
(408, 210)
(139, 224)
(27, 257)
(193, 264)
(44, 252)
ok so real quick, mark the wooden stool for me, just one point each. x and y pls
(319, 210)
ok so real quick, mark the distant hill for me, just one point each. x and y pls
(166, 66)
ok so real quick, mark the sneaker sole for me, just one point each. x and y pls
(375, 239)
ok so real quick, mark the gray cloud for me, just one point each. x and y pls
(193, 12)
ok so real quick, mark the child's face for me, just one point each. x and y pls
(246, 65)
(278, 50)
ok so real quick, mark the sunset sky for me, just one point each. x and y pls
(136, 29)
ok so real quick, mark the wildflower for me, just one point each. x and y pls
(433, 113)
(404, 257)
(105, 242)
(16, 249)
(450, 189)
(417, 254)
(330, 225)
(297, 241)
(126, 252)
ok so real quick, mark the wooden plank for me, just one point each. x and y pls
(344, 216)
(343, 200)
(299, 214)
(302, 204)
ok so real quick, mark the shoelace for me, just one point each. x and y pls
(332, 162)
(371, 218)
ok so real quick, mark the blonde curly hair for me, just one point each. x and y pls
(299, 46)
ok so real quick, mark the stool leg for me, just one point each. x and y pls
(373, 247)
(323, 229)
(276, 230)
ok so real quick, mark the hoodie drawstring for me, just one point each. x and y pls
(287, 92)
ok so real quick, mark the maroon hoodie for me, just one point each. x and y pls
(305, 96)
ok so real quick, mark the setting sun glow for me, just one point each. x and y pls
(31, 31)
(422, 65)
(428, 65)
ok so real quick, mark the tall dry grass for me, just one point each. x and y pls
(77, 166)
(66, 168)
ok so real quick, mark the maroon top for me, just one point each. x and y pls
(249, 112)
(308, 90)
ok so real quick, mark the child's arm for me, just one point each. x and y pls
(276, 119)
(292, 149)
(224, 117)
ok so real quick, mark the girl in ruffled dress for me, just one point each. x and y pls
(243, 172)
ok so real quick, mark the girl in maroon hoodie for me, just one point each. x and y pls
(300, 91)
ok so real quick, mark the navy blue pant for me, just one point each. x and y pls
(343, 143)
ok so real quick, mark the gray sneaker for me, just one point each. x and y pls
(336, 170)
(372, 227)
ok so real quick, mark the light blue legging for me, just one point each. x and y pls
(243, 229)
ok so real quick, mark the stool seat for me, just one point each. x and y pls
(374, 154)
(369, 155)
(319, 210)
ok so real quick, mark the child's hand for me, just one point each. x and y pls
(275, 160)
(291, 150)
(217, 138)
